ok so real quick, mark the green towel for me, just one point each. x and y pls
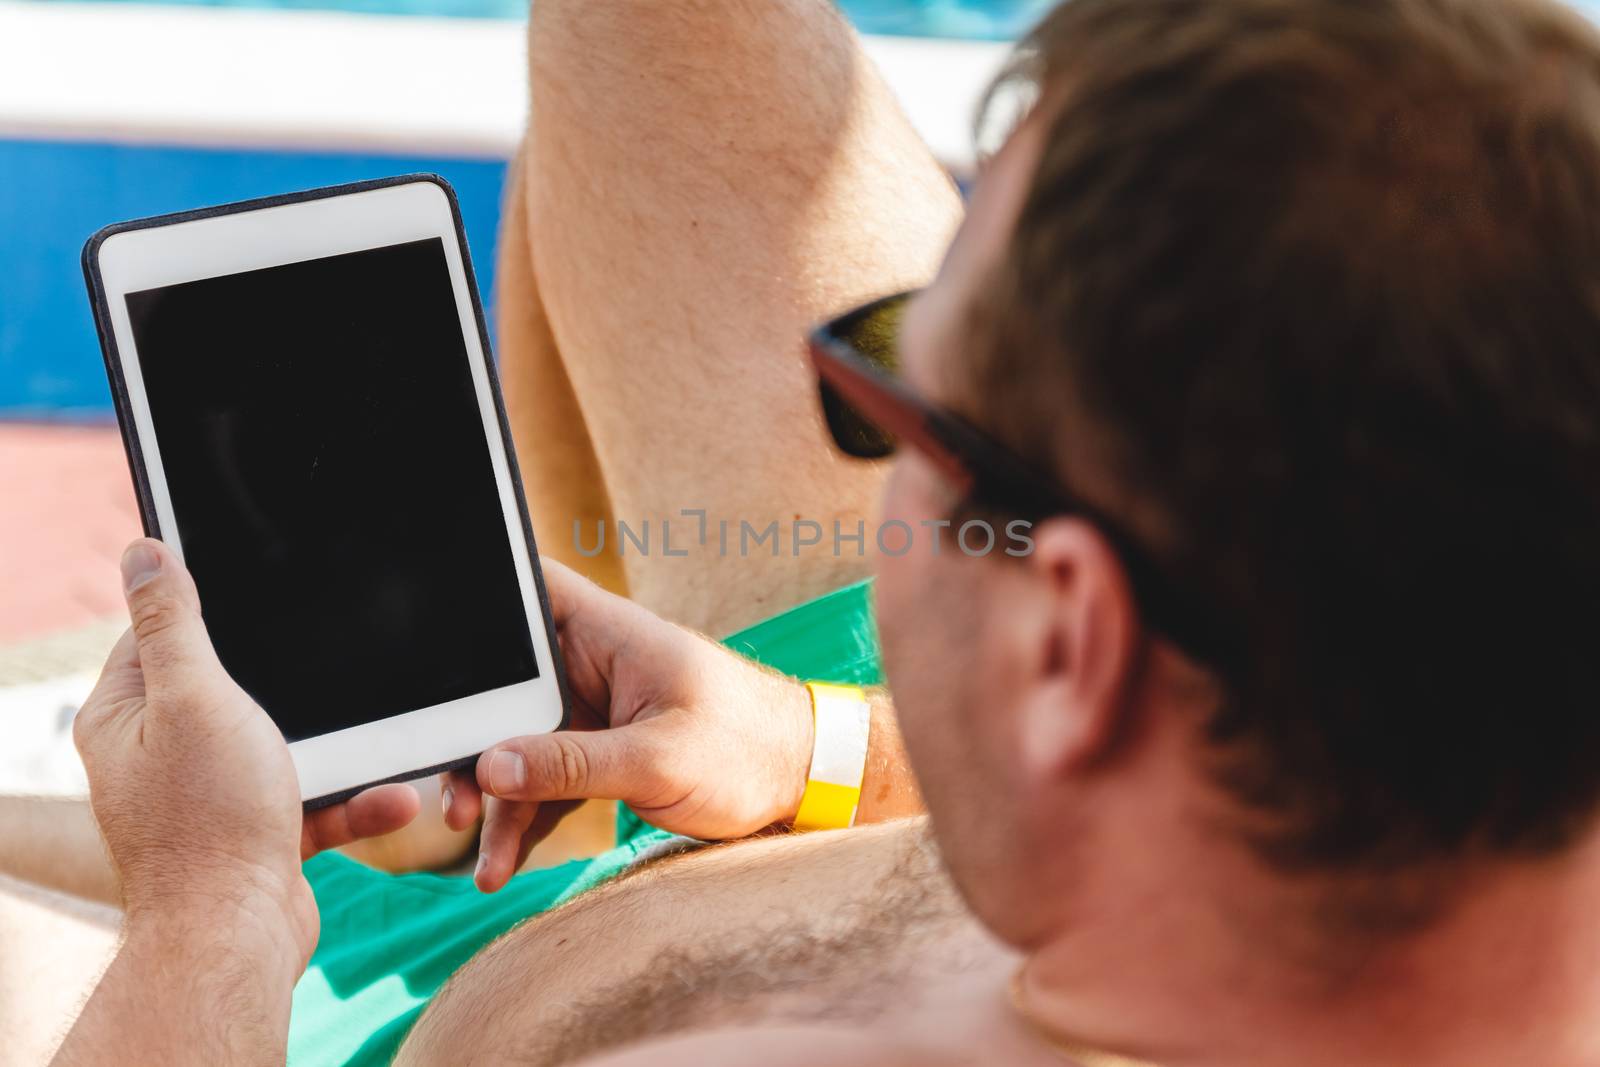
(390, 941)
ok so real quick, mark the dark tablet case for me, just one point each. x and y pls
(130, 440)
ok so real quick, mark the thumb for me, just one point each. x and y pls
(621, 764)
(175, 652)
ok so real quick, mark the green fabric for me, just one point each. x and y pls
(390, 941)
(831, 639)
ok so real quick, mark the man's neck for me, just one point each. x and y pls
(1213, 972)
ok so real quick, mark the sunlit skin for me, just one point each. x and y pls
(1057, 742)
(1059, 745)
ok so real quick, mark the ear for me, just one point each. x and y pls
(1077, 702)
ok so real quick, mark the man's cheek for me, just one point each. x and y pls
(904, 672)
(918, 663)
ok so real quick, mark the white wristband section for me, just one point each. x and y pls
(838, 757)
(844, 718)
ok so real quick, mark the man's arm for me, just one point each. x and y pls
(203, 983)
(196, 797)
(691, 736)
(889, 789)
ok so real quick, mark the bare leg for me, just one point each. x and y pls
(560, 473)
(53, 843)
(682, 240)
(710, 177)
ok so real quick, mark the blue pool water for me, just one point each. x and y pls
(982, 19)
(974, 19)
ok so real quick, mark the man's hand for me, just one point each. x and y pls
(690, 736)
(190, 781)
(197, 800)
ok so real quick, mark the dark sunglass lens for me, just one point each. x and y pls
(851, 431)
(873, 333)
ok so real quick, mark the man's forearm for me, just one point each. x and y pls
(888, 789)
(190, 986)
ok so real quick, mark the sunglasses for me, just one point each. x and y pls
(870, 410)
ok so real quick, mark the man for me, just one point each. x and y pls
(1274, 750)
(651, 341)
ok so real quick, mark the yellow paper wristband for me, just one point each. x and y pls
(843, 721)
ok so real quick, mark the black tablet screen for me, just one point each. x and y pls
(329, 471)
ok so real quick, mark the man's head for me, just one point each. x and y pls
(1306, 294)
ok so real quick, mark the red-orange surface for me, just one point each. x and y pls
(66, 512)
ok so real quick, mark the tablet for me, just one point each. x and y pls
(314, 424)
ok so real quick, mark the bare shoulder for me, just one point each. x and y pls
(775, 1046)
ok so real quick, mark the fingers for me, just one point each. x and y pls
(175, 652)
(378, 811)
(461, 798)
(504, 824)
(568, 590)
(571, 594)
(510, 832)
(594, 626)
(620, 764)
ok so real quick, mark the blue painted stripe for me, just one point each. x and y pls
(56, 194)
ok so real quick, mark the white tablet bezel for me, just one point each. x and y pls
(229, 241)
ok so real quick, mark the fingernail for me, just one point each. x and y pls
(449, 798)
(139, 564)
(507, 772)
(483, 862)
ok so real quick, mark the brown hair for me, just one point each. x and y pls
(1321, 278)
